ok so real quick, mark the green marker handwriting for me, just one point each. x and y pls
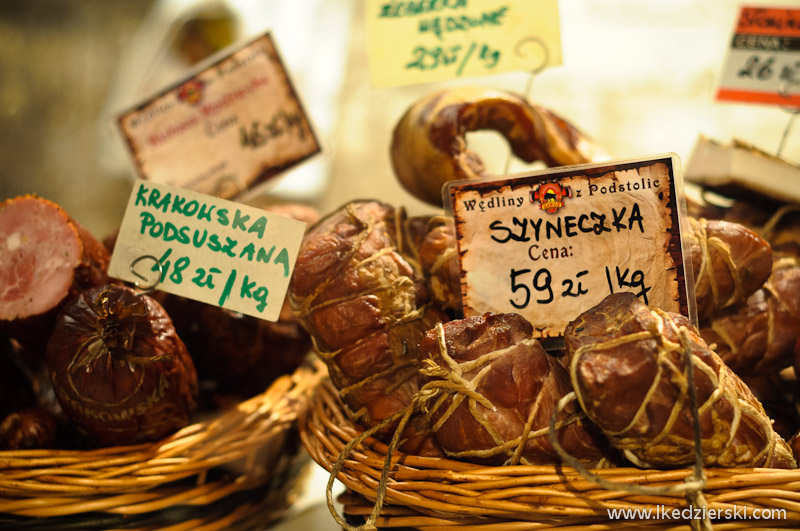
(182, 269)
(442, 25)
(430, 58)
(187, 235)
(395, 9)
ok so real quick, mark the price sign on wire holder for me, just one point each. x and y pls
(428, 41)
(233, 124)
(207, 249)
(763, 62)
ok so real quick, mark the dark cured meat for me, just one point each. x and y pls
(498, 386)
(627, 369)
(778, 222)
(436, 251)
(431, 244)
(246, 354)
(16, 387)
(118, 368)
(758, 337)
(241, 354)
(776, 392)
(366, 308)
(47, 258)
(28, 429)
(429, 146)
(729, 262)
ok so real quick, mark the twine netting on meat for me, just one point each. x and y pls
(668, 358)
(694, 481)
(394, 291)
(706, 244)
(450, 383)
(369, 267)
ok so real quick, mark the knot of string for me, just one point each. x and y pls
(450, 384)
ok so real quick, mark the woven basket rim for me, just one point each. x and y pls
(175, 470)
(440, 493)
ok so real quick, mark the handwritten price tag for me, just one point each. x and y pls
(209, 249)
(433, 40)
(763, 63)
(233, 125)
(549, 245)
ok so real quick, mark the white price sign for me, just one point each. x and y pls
(763, 63)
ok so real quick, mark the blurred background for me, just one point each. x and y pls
(638, 77)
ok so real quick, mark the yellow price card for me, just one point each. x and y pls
(433, 40)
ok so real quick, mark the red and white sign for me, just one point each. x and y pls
(763, 63)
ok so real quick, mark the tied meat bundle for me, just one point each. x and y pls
(757, 337)
(729, 262)
(627, 364)
(119, 370)
(493, 390)
(366, 307)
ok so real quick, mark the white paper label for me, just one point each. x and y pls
(763, 63)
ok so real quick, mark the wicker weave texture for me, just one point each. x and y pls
(238, 450)
(442, 494)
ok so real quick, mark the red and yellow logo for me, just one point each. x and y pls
(550, 196)
(191, 92)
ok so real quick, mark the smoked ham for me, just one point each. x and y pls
(46, 259)
(494, 389)
(366, 307)
(628, 370)
(729, 261)
(758, 336)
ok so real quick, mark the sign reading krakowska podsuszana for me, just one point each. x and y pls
(207, 249)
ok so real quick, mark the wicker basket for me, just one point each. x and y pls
(235, 471)
(439, 494)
